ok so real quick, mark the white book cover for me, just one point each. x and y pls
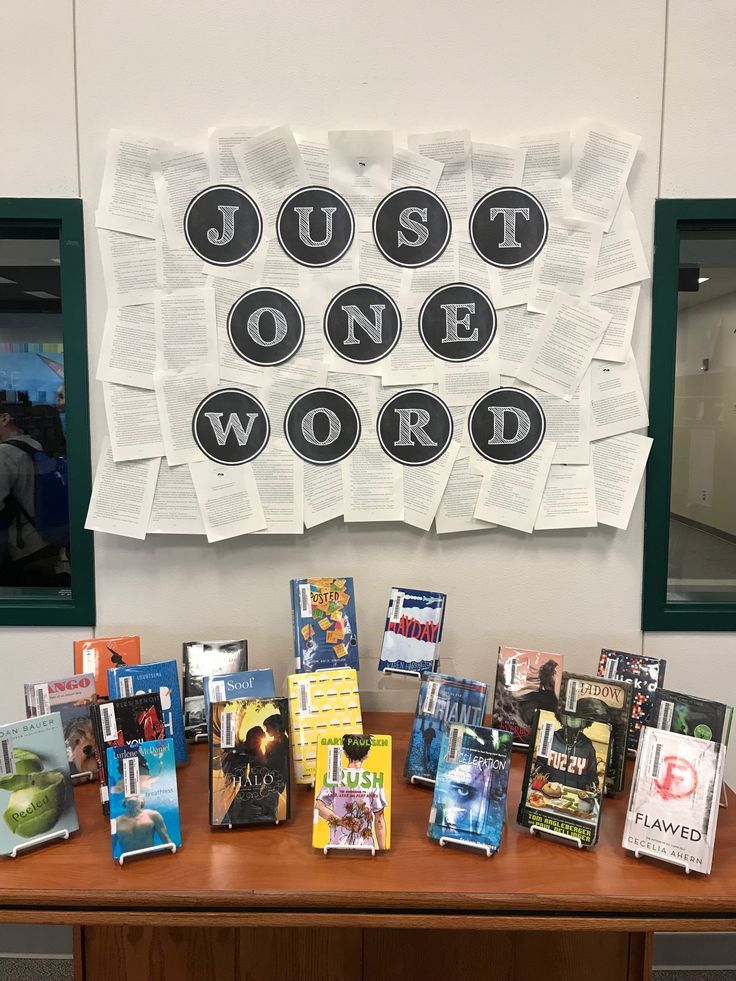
(673, 806)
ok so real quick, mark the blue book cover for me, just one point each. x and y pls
(469, 802)
(325, 630)
(238, 684)
(443, 700)
(36, 796)
(144, 803)
(163, 677)
(413, 630)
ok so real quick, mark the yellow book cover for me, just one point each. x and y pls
(320, 702)
(352, 794)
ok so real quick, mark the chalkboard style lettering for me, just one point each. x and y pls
(266, 327)
(411, 227)
(362, 324)
(315, 226)
(231, 426)
(457, 322)
(415, 427)
(322, 426)
(508, 227)
(507, 425)
(223, 225)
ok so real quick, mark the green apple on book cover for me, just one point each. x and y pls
(36, 796)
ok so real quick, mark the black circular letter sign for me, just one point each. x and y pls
(508, 227)
(265, 326)
(507, 425)
(362, 324)
(315, 226)
(411, 227)
(457, 322)
(322, 426)
(223, 225)
(414, 427)
(231, 426)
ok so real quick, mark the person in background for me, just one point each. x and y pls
(25, 557)
(61, 407)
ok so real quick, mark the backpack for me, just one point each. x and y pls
(51, 497)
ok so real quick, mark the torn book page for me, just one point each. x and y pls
(178, 393)
(567, 263)
(179, 175)
(175, 509)
(617, 399)
(228, 500)
(132, 422)
(128, 267)
(128, 349)
(128, 196)
(568, 500)
(618, 463)
(360, 164)
(510, 494)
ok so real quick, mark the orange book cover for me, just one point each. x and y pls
(95, 656)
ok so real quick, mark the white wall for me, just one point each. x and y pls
(699, 160)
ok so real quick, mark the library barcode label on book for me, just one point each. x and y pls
(7, 760)
(227, 730)
(666, 711)
(108, 722)
(217, 691)
(305, 702)
(305, 600)
(512, 671)
(41, 699)
(611, 669)
(126, 686)
(455, 742)
(571, 696)
(430, 699)
(131, 776)
(545, 740)
(334, 763)
(655, 760)
(398, 608)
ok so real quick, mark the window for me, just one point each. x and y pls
(46, 556)
(690, 537)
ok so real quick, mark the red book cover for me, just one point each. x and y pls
(97, 655)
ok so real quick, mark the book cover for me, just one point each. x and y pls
(163, 677)
(646, 675)
(411, 639)
(36, 796)
(243, 684)
(673, 805)
(125, 722)
(609, 701)
(443, 700)
(72, 698)
(97, 655)
(203, 658)
(674, 711)
(144, 803)
(325, 630)
(352, 793)
(565, 774)
(469, 802)
(320, 702)
(250, 771)
(525, 681)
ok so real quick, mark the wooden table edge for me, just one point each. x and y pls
(397, 919)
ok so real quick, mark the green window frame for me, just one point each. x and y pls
(64, 214)
(670, 216)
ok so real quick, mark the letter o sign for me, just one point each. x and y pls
(322, 426)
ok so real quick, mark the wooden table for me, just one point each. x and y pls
(261, 903)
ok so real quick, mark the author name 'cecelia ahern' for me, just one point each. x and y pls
(668, 828)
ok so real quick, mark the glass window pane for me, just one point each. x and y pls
(702, 549)
(35, 560)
